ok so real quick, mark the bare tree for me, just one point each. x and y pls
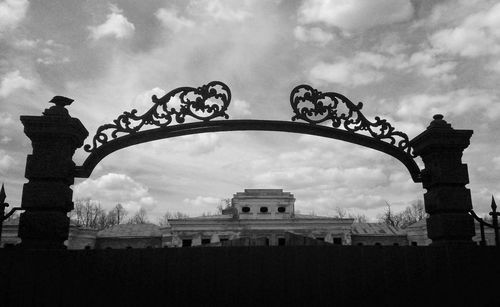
(358, 218)
(224, 204)
(116, 215)
(389, 218)
(88, 213)
(163, 221)
(340, 213)
(410, 215)
(140, 217)
(343, 213)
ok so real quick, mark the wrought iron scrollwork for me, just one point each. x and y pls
(203, 103)
(316, 107)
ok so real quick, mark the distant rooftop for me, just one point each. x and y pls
(131, 230)
(380, 229)
(263, 192)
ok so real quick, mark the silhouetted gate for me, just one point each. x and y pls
(55, 136)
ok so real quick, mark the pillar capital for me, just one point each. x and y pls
(440, 136)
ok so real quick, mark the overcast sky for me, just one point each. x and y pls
(405, 60)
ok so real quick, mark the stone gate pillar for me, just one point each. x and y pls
(47, 197)
(447, 200)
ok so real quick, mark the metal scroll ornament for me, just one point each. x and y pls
(316, 107)
(203, 103)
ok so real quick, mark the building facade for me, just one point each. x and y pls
(255, 217)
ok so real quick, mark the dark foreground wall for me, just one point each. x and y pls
(252, 276)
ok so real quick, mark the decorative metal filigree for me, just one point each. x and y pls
(316, 107)
(203, 103)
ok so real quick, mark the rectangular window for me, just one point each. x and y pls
(186, 242)
(337, 241)
(205, 241)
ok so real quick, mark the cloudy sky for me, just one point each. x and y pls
(405, 60)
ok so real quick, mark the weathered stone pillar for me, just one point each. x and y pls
(447, 200)
(47, 197)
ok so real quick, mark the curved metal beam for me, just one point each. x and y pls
(139, 137)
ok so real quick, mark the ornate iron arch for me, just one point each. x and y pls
(211, 101)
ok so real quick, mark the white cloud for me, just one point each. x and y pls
(26, 44)
(494, 66)
(12, 12)
(239, 108)
(496, 162)
(346, 72)
(5, 119)
(203, 202)
(459, 102)
(226, 10)
(477, 35)
(369, 67)
(354, 15)
(313, 35)
(5, 140)
(144, 101)
(13, 81)
(6, 162)
(199, 144)
(360, 177)
(171, 20)
(114, 188)
(116, 25)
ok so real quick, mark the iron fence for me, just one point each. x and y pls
(494, 223)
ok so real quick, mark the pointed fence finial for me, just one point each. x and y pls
(2, 195)
(493, 204)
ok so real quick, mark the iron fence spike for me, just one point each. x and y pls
(2, 195)
(493, 204)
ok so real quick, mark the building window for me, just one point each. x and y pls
(281, 209)
(263, 209)
(360, 244)
(186, 242)
(395, 244)
(205, 241)
(337, 241)
(377, 244)
(267, 241)
(245, 209)
(128, 247)
(281, 242)
(223, 240)
(320, 238)
(414, 243)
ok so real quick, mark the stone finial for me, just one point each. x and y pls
(61, 101)
(439, 122)
(59, 108)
